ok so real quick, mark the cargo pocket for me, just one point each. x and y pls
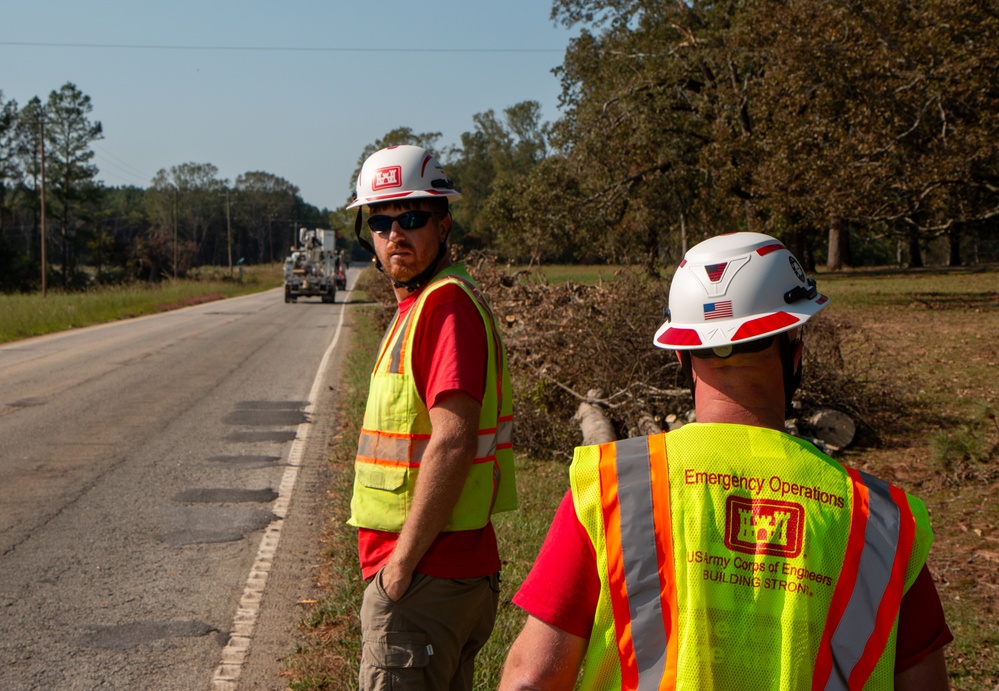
(381, 498)
(394, 659)
(384, 477)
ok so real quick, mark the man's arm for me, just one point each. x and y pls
(929, 674)
(443, 471)
(543, 658)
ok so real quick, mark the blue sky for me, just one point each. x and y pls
(317, 82)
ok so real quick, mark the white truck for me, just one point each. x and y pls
(314, 268)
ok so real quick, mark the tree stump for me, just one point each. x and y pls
(836, 429)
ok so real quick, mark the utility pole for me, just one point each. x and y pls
(228, 228)
(176, 193)
(41, 189)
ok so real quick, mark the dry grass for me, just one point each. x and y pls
(934, 335)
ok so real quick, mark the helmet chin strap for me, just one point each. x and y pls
(412, 284)
(688, 374)
(792, 374)
(364, 243)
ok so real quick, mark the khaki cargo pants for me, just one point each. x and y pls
(429, 638)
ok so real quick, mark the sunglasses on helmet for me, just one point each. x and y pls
(410, 220)
(727, 351)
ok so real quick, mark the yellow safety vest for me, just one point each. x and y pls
(746, 561)
(396, 429)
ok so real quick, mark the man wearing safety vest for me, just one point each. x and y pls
(434, 458)
(728, 555)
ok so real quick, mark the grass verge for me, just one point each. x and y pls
(328, 649)
(33, 315)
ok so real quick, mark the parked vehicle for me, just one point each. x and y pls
(314, 268)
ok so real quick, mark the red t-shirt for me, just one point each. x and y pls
(563, 587)
(449, 354)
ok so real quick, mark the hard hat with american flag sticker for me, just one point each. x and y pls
(736, 288)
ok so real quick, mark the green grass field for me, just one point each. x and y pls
(24, 316)
(561, 273)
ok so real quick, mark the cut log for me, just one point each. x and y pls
(648, 426)
(836, 429)
(593, 421)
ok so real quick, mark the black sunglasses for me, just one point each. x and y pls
(727, 351)
(410, 220)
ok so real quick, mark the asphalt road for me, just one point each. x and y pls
(160, 489)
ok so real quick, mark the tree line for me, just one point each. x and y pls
(187, 217)
(860, 133)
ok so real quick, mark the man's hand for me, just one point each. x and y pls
(395, 580)
(443, 470)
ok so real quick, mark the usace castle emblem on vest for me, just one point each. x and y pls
(764, 526)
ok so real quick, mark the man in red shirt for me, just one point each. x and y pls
(561, 591)
(434, 458)
(606, 593)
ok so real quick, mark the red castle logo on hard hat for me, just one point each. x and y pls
(764, 526)
(390, 176)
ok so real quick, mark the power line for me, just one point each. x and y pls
(119, 163)
(275, 49)
(111, 176)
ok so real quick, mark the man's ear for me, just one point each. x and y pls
(445, 228)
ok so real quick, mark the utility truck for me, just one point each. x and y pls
(314, 268)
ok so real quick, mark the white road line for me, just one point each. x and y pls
(226, 677)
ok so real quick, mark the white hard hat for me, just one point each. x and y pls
(401, 172)
(736, 288)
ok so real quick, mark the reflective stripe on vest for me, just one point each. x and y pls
(407, 449)
(865, 602)
(870, 587)
(396, 358)
(636, 586)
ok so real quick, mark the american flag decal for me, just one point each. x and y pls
(715, 271)
(718, 310)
